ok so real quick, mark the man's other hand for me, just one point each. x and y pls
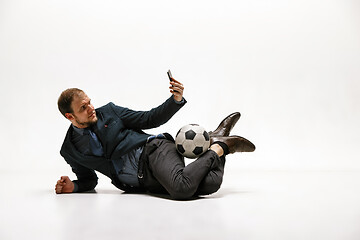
(64, 185)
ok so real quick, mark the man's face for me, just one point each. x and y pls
(84, 114)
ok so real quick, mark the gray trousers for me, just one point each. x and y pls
(164, 171)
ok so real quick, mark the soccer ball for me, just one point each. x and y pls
(192, 140)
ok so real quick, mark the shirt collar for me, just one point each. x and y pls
(78, 130)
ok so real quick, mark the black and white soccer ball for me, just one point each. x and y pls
(192, 140)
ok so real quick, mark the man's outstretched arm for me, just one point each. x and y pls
(156, 116)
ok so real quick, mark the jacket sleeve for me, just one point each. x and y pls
(149, 119)
(86, 178)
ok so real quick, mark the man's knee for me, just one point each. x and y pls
(209, 187)
(183, 191)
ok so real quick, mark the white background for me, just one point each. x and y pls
(292, 68)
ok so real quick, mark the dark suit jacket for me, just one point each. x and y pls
(119, 130)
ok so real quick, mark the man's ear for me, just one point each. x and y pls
(69, 116)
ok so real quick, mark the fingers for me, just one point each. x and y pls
(176, 86)
(61, 183)
(65, 179)
(174, 80)
(176, 90)
(58, 190)
(59, 187)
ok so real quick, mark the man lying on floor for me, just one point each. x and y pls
(110, 140)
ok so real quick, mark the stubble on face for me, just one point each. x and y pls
(86, 124)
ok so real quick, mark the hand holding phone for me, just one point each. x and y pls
(178, 93)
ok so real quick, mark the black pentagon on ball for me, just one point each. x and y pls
(180, 148)
(206, 135)
(190, 135)
(198, 150)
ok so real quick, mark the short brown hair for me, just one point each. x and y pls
(66, 98)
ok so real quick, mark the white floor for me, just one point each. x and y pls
(250, 205)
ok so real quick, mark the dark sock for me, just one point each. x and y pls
(224, 147)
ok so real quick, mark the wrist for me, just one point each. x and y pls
(178, 100)
(76, 187)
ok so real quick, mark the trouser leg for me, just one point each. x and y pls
(165, 169)
(213, 180)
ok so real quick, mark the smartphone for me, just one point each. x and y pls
(169, 75)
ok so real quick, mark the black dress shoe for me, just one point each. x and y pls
(235, 143)
(226, 125)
